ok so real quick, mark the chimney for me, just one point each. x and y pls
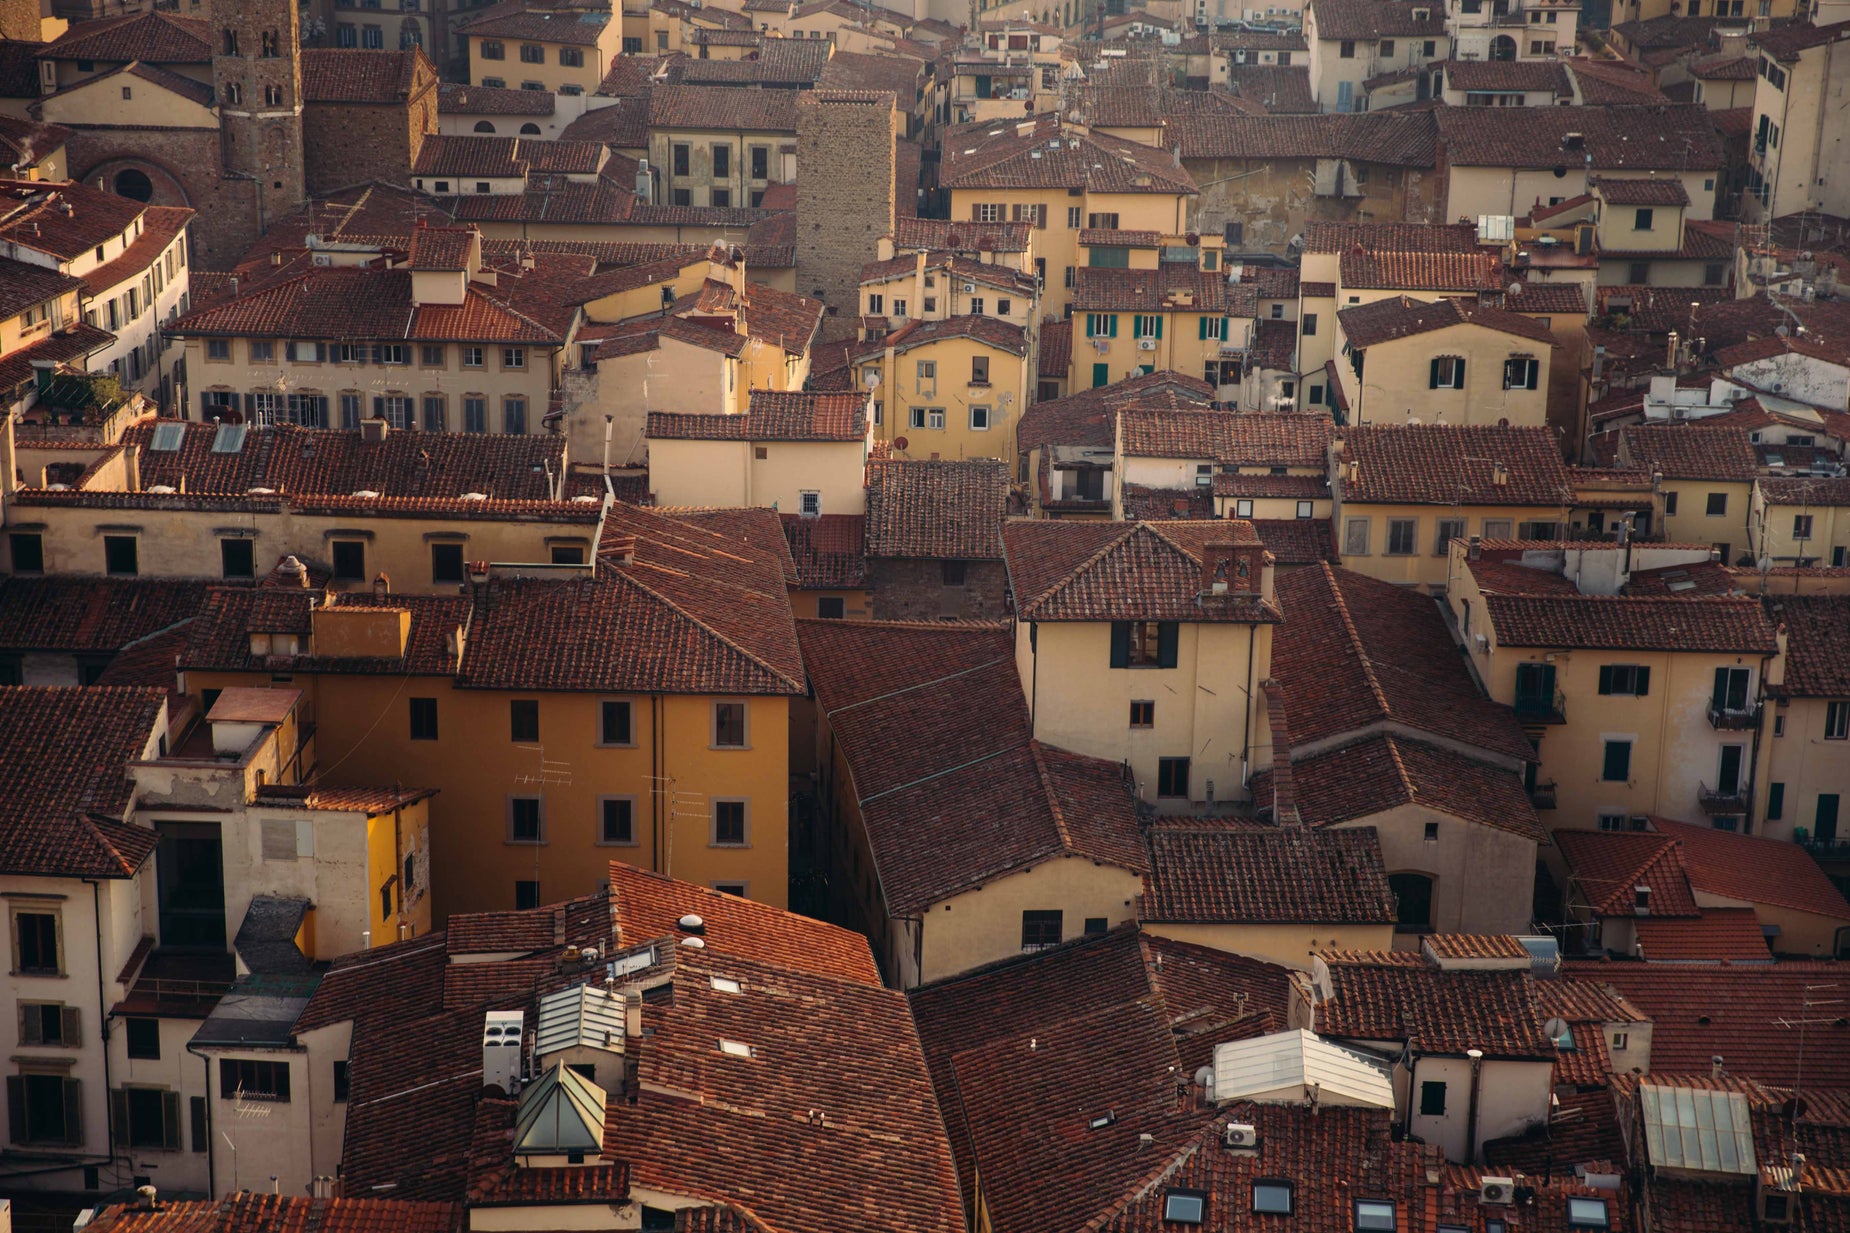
(131, 468)
(294, 573)
(623, 549)
(234, 286)
(1475, 550)
(321, 1187)
(1216, 568)
(276, 256)
(382, 586)
(1670, 356)
(1499, 474)
(645, 182)
(1715, 1068)
(372, 431)
(632, 1014)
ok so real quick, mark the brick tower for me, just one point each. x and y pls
(257, 74)
(846, 164)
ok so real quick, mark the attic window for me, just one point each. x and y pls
(725, 984)
(1185, 1206)
(1585, 1213)
(1102, 1120)
(734, 1048)
(168, 436)
(1375, 1216)
(1272, 1198)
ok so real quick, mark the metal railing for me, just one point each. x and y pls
(1734, 719)
(1545, 709)
(1542, 795)
(1718, 800)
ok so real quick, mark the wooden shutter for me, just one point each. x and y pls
(1168, 636)
(70, 1026)
(1718, 697)
(73, 1111)
(1159, 326)
(1644, 681)
(1605, 678)
(170, 1121)
(976, 212)
(1458, 372)
(118, 1116)
(29, 1023)
(1433, 378)
(1113, 318)
(201, 1136)
(1203, 325)
(1120, 644)
(16, 1108)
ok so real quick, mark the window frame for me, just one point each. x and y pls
(517, 715)
(604, 713)
(421, 718)
(715, 732)
(1034, 925)
(745, 823)
(604, 802)
(277, 1093)
(1166, 771)
(15, 931)
(515, 800)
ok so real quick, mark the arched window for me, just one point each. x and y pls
(133, 183)
(231, 42)
(273, 96)
(483, 126)
(1503, 47)
(271, 45)
(234, 93)
(529, 130)
(1412, 902)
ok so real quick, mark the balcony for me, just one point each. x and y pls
(1734, 719)
(1542, 708)
(1719, 800)
(1542, 795)
(1823, 850)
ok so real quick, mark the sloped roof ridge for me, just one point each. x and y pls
(1366, 661)
(935, 681)
(1053, 798)
(690, 619)
(1072, 575)
(95, 827)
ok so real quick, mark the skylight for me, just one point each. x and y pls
(725, 984)
(168, 437)
(1185, 1206)
(734, 1048)
(1103, 1120)
(1585, 1213)
(1375, 1216)
(229, 439)
(1273, 1198)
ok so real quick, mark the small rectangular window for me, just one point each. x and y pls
(525, 823)
(523, 719)
(1624, 680)
(1616, 766)
(342, 1089)
(349, 560)
(1185, 1206)
(616, 820)
(1837, 720)
(446, 563)
(120, 556)
(28, 550)
(1143, 713)
(1670, 503)
(729, 827)
(423, 713)
(614, 716)
(1272, 1198)
(237, 558)
(1587, 1213)
(1040, 928)
(729, 728)
(831, 608)
(253, 1080)
(1717, 506)
(1432, 1099)
(144, 1037)
(1401, 536)
(1172, 778)
(1375, 1216)
(526, 894)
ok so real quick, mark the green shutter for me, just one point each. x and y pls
(1203, 323)
(1113, 319)
(1775, 801)
(1120, 644)
(1644, 681)
(1718, 697)
(170, 1121)
(1101, 375)
(1168, 636)
(1605, 678)
(1458, 373)
(1159, 325)
(1433, 377)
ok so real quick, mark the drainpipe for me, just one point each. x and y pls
(102, 1014)
(211, 1151)
(1477, 1071)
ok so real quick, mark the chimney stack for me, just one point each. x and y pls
(131, 468)
(373, 431)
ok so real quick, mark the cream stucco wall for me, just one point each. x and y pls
(730, 473)
(1808, 764)
(1427, 565)
(1287, 945)
(1395, 384)
(1471, 191)
(1483, 877)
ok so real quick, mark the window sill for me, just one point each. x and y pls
(615, 745)
(730, 748)
(40, 975)
(524, 843)
(618, 843)
(735, 847)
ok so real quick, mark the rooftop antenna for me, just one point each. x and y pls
(550, 774)
(1798, 1074)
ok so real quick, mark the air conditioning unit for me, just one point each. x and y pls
(1483, 643)
(1497, 1190)
(1241, 1135)
(1146, 344)
(969, 288)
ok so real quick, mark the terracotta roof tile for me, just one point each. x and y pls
(897, 698)
(1719, 933)
(1612, 138)
(1787, 42)
(1089, 416)
(774, 416)
(1632, 191)
(1419, 271)
(729, 108)
(351, 75)
(989, 331)
(1298, 541)
(63, 780)
(912, 234)
(1170, 287)
(998, 156)
(946, 510)
(1528, 76)
(249, 1211)
(1281, 89)
(1818, 648)
(1754, 869)
(1242, 438)
(1734, 625)
(36, 219)
(1404, 317)
(1689, 451)
(516, 21)
(1265, 876)
(457, 99)
(1401, 139)
(1133, 571)
(1608, 866)
(830, 551)
(88, 614)
(1377, 774)
(1372, 19)
(154, 37)
(23, 285)
(1435, 1011)
(1440, 464)
(1056, 353)
(1355, 653)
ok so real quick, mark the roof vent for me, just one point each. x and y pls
(366, 493)
(1641, 901)
(694, 943)
(162, 488)
(473, 496)
(691, 923)
(1573, 141)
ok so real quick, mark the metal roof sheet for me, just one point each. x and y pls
(1251, 1068)
(1697, 1129)
(584, 1016)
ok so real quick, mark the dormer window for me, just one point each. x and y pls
(1375, 1216)
(1185, 1207)
(1587, 1213)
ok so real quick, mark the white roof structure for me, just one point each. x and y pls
(1287, 1066)
(584, 1016)
(561, 1112)
(1697, 1130)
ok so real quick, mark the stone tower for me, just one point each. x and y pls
(846, 194)
(257, 75)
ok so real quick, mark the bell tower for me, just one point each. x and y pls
(257, 79)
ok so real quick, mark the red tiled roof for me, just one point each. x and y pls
(154, 37)
(1380, 773)
(89, 614)
(1305, 487)
(1818, 647)
(1734, 625)
(1624, 191)
(1433, 1010)
(248, 1211)
(1612, 138)
(936, 509)
(1136, 571)
(774, 416)
(986, 156)
(35, 216)
(829, 551)
(516, 21)
(1541, 297)
(1441, 464)
(1396, 139)
(1371, 19)
(912, 234)
(722, 108)
(1404, 317)
(1528, 76)
(1690, 451)
(457, 99)
(1088, 417)
(1265, 876)
(63, 778)
(23, 285)
(989, 331)
(1355, 653)
(1170, 287)
(1421, 271)
(1719, 933)
(1056, 353)
(646, 906)
(23, 141)
(1298, 541)
(159, 227)
(1243, 438)
(1754, 869)
(1787, 42)
(352, 75)
(1608, 866)
(1748, 1014)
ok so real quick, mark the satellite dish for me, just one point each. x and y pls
(1557, 1030)
(900, 443)
(872, 379)
(1515, 288)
